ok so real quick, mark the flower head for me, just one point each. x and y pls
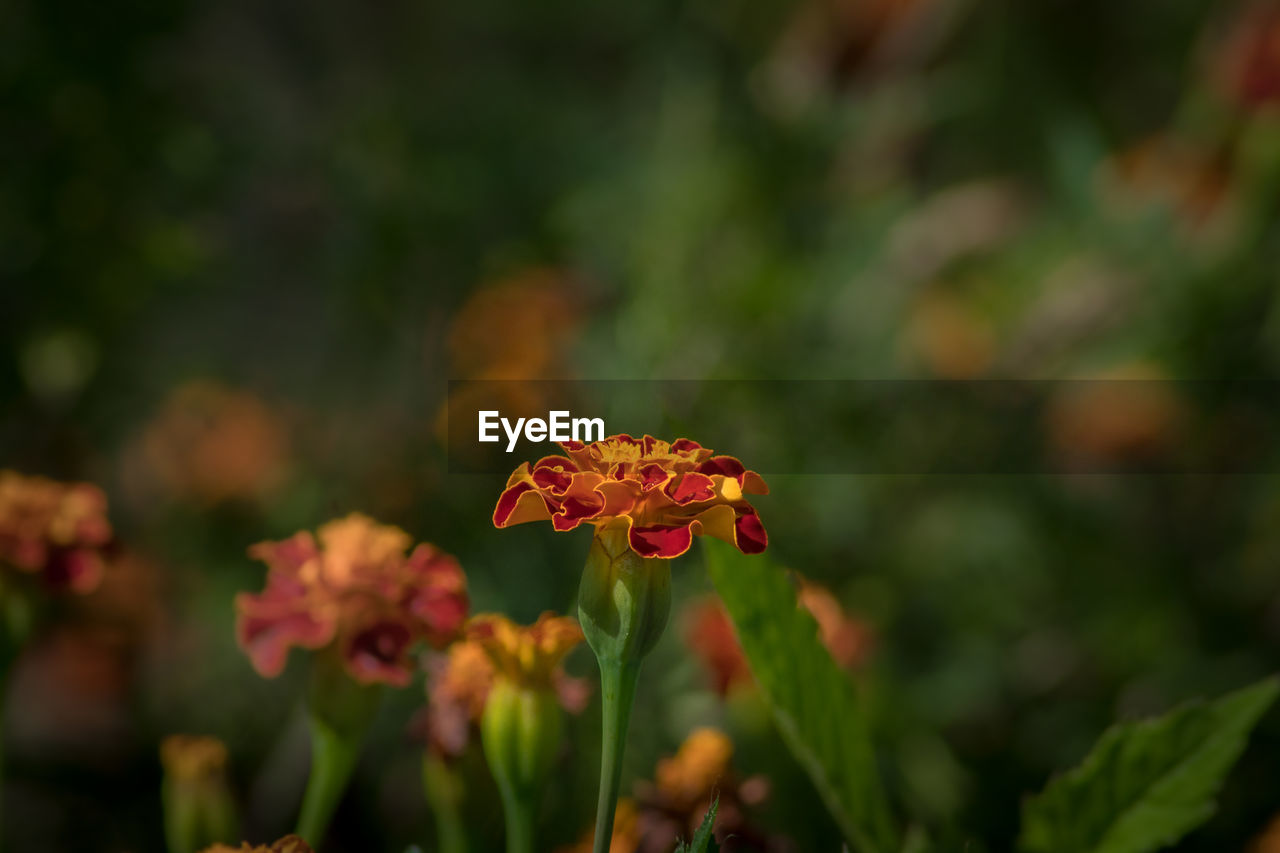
(210, 443)
(661, 494)
(690, 776)
(460, 680)
(528, 656)
(192, 758)
(358, 588)
(56, 530)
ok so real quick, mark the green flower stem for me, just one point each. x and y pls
(618, 692)
(333, 757)
(623, 604)
(340, 714)
(18, 614)
(518, 812)
(443, 791)
(521, 730)
(197, 814)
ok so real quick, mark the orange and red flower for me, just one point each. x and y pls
(356, 587)
(528, 656)
(56, 530)
(664, 494)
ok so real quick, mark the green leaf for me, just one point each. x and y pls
(1145, 784)
(703, 840)
(812, 700)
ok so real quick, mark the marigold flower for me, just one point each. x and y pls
(459, 681)
(358, 588)
(527, 656)
(458, 684)
(519, 327)
(56, 530)
(690, 776)
(210, 443)
(661, 494)
(190, 758)
(288, 844)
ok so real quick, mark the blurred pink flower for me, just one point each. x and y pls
(358, 588)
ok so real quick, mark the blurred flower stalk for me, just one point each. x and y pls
(646, 499)
(198, 808)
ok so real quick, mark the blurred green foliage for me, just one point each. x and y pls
(298, 202)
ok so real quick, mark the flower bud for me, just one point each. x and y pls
(624, 599)
(521, 730)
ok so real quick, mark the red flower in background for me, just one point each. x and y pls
(665, 494)
(1249, 57)
(56, 530)
(358, 588)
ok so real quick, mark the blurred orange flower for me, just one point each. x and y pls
(56, 530)
(952, 339)
(211, 443)
(848, 640)
(516, 328)
(1268, 841)
(1128, 414)
(191, 758)
(626, 831)
(358, 588)
(674, 804)
(459, 682)
(710, 634)
(689, 778)
(288, 844)
(527, 656)
(664, 494)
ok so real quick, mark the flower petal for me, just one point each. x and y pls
(691, 487)
(378, 653)
(665, 541)
(518, 504)
(749, 534)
